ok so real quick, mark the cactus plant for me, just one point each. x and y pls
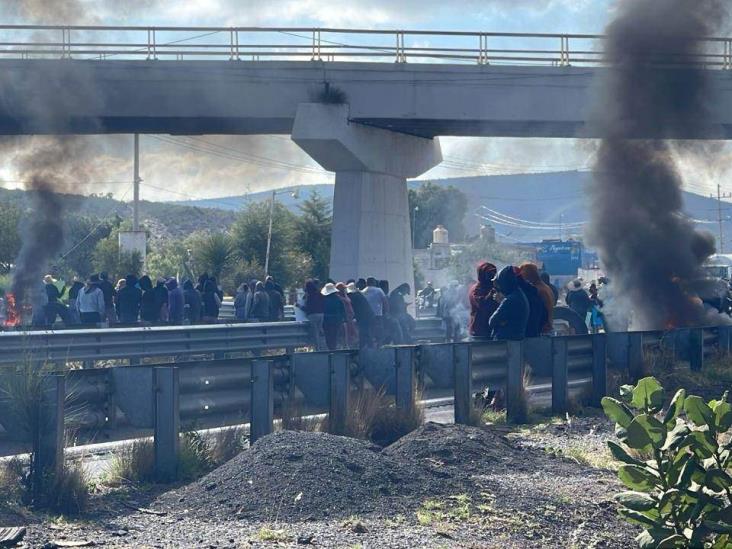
(677, 464)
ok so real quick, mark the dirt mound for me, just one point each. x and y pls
(468, 449)
(303, 475)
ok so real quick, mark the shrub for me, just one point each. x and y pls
(391, 423)
(682, 493)
(196, 457)
(67, 491)
(227, 443)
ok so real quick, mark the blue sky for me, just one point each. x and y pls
(196, 174)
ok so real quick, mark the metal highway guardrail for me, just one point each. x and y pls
(136, 343)
(324, 44)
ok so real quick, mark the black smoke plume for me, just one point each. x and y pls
(46, 165)
(653, 91)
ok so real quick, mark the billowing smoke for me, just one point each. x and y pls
(652, 92)
(46, 171)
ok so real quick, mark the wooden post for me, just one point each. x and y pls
(560, 381)
(463, 383)
(167, 423)
(515, 397)
(262, 422)
(599, 368)
(405, 377)
(340, 392)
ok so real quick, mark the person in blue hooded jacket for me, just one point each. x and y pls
(512, 316)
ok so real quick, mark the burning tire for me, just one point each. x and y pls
(567, 322)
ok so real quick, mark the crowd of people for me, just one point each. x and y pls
(355, 314)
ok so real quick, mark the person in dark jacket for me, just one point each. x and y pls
(76, 287)
(578, 300)
(109, 294)
(192, 300)
(398, 312)
(334, 316)
(260, 304)
(54, 306)
(161, 300)
(512, 316)
(176, 301)
(276, 301)
(202, 282)
(242, 302)
(211, 303)
(364, 316)
(537, 310)
(128, 301)
(219, 291)
(546, 279)
(149, 309)
(314, 308)
(482, 302)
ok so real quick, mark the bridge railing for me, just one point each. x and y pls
(323, 44)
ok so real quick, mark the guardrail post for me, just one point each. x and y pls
(405, 377)
(599, 368)
(50, 450)
(463, 383)
(723, 333)
(262, 422)
(560, 381)
(340, 392)
(696, 349)
(167, 423)
(515, 397)
(635, 356)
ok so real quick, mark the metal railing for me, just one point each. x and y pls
(136, 343)
(325, 44)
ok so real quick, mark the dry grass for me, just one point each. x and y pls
(295, 419)
(11, 483)
(68, 491)
(227, 443)
(133, 464)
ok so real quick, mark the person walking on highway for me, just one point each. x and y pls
(128, 301)
(109, 292)
(54, 307)
(512, 316)
(376, 298)
(398, 311)
(241, 302)
(578, 300)
(149, 311)
(364, 315)
(276, 301)
(350, 335)
(530, 273)
(260, 304)
(211, 302)
(482, 303)
(314, 309)
(90, 303)
(192, 300)
(176, 302)
(334, 316)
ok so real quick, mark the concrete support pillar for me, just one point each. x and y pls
(371, 228)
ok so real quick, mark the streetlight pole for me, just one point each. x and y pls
(136, 186)
(414, 225)
(269, 233)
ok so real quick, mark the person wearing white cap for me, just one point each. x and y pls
(334, 316)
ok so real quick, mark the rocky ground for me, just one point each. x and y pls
(548, 485)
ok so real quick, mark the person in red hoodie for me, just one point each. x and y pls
(482, 302)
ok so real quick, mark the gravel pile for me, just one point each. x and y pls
(303, 476)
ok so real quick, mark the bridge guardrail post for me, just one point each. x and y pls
(696, 349)
(463, 382)
(515, 396)
(262, 422)
(50, 450)
(167, 422)
(560, 375)
(405, 377)
(340, 392)
(635, 356)
(599, 368)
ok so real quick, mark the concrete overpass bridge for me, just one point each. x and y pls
(367, 105)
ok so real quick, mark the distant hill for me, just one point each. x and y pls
(163, 220)
(556, 198)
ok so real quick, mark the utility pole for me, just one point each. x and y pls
(136, 187)
(720, 218)
(269, 233)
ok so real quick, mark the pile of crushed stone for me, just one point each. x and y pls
(302, 476)
(458, 447)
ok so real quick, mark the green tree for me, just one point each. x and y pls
(82, 233)
(168, 258)
(108, 258)
(437, 206)
(249, 235)
(9, 235)
(313, 232)
(213, 253)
